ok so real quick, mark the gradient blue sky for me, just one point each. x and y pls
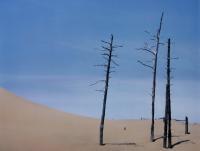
(48, 49)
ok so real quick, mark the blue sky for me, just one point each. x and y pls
(48, 49)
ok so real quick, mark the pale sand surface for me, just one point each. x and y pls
(25, 126)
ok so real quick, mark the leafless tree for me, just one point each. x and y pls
(167, 119)
(186, 126)
(153, 50)
(109, 65)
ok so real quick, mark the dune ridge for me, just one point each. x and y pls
(27, 126)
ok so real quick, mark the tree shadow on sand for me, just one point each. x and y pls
(162, 137)
(157, 138)
(120, 143)
(179, 142)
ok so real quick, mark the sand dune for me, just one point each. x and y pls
(25, 126)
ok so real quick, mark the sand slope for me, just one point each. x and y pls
(25, 126)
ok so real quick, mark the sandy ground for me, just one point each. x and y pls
(25, 126)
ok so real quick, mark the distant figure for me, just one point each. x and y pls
(124, 128)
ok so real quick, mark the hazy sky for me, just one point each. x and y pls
(48, 49)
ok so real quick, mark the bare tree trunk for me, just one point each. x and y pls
(153, 67)
(167, 124)
(169, 97)
(153, 101)
(154, 77)
(106, 91)
(108, 68)
(169, 121)
(186, 125)
(165, 121)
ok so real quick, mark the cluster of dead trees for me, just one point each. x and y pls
(108, 54)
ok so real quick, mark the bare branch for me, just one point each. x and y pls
(175, 58)
(115, 56)
(147, 32)
(117, 46)
(101, 65)
(106, 42)
(100, 91)
(153, 39)
(150, 34)
(105, 48)
(114, 62)
(112, 71)
(97, 82)
(147, 50)
(105, 54)
(145, 64)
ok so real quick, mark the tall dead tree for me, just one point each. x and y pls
(167, 142)
(109, 65)
(153, 50)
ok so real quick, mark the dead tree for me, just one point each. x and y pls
(167, 142)
(109, 65)
(186, 125)
(153, 50)
(165, 120)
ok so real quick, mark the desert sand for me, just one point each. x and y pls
(26, 126)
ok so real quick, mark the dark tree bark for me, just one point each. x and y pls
(106, 91)
(169, 92)
(167, 142)
(154, 77)
(153, 50)
(186, 125)
(169, 122)
(108, 68)
(165, 120)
